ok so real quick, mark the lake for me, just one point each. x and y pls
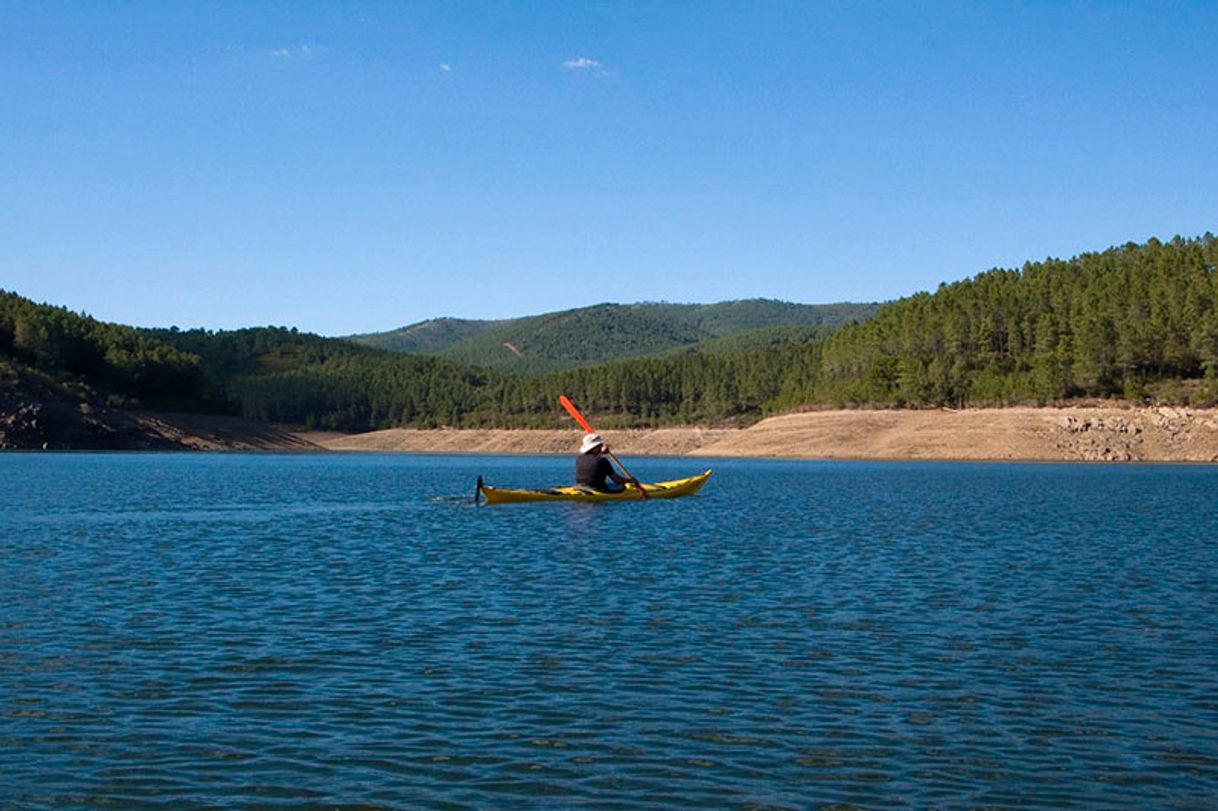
(244, 630)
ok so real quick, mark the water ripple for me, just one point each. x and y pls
(349, 631)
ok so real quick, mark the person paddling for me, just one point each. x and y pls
(593, 469)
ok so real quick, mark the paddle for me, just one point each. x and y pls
(574, 412)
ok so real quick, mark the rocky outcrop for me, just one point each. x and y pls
(37, 413)
(1140, 434)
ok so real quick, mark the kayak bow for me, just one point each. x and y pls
(672, 489)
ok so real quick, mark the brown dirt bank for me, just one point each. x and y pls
(657, 442)
(214, 433)
(1109, 434)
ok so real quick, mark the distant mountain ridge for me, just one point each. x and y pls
(426, 337)
(1136, 322)
(586, 336)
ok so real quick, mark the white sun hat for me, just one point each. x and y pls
(591, 443)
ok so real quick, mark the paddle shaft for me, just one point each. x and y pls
(574, 412)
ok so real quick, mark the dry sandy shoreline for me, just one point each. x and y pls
(1092, 434)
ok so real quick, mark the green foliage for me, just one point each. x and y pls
(426, 337)
(751, 340)
(1100, 325)
(1137, 321)
(282, 375)
(575, 338)
(115, 361)
(731, 317)
(608, 332)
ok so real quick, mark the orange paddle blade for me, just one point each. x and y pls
(574, 412)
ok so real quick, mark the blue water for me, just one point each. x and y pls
(312, 631)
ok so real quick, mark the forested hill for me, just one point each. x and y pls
(573, 338)
(1136, 322)
(70, 381)
(92, 360)
(277, 374)
(605, 332)
(432, 335)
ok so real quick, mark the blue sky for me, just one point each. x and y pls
(357, 166)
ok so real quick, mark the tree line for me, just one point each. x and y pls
(102, 360)
(1136, 321)
(601, 333)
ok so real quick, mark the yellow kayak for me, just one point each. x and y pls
(679, 487)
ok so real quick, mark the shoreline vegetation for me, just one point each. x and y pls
(1109, 356)
(1109, 432)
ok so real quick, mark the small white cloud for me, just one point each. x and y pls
(447, 68)
(582, 63)
(305, 51)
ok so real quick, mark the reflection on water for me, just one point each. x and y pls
(229, 630)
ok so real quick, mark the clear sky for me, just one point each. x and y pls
(356, 166)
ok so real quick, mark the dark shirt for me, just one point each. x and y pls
(592, 470)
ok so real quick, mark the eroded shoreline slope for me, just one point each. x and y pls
(1096, 434)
